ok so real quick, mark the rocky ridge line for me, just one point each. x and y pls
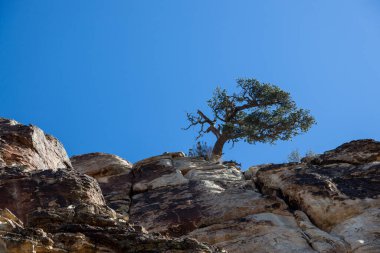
(328, 203)
(47, 206)
(325, 204)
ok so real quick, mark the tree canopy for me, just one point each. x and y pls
(259, 112)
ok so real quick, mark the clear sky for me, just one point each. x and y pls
(118, 76)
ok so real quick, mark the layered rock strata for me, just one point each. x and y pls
(327, 203)
(47, 206)
(173, 203)
(30, 148)
(338, 190)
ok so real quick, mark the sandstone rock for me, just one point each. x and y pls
(263, 232)
(100, 165)
(320, 240)
(8, 221)
(70, 207)
(64, 210)
(328, 203)
(30, 148)
(361, 231)
(113, 175)
(216, 205)
(339, 198)
(85, 231)
(354, 152)
(23, 192)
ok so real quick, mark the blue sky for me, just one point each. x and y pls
(119, 76)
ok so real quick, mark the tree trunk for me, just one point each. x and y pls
(217, 151)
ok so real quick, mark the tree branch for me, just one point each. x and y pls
(212, 127)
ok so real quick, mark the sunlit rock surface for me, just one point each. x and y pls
(173, 203)
(339, 191)
(30, 148)
(58, 208)
(113, 175)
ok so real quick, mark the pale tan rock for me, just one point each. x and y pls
(337, 197)
(264, 232)
(30, 148)
(216, 206)
(329, 203)
(113, 176)
(362, 231)
(100, 165)
(8, 221)
(320, 240)
(172, 179)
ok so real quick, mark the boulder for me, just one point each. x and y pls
(100, 165)
(30, 148)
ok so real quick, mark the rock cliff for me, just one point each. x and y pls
(47, 206)
(172, 203)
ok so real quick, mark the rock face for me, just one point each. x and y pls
(29, 147)
(327, 204)
(100, 165)
(339, 191)
(24, 192)
(172, 203)
(113, 175)
(212, 203)
(60, 209)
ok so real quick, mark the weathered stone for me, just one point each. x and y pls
(216, 206)
(8, 221)
(29, 147)
(362, 232)
(113, 175)
(24, 192)
(328, 203)
(100, 165)
(262, 232)
(354, 152)
(339, 198)
(89, 229)
(320, 240)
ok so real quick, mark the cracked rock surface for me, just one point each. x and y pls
(47, 206)
(325, 204)
(172, 203)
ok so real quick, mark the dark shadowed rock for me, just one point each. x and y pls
(85, 229)
(354, 152)
(64, 211)
(24, 192)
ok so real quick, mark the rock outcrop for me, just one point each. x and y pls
(59, 209)
(113, 175)
(173, 203)
(30, 148)
(326, 204)
(338, 190)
